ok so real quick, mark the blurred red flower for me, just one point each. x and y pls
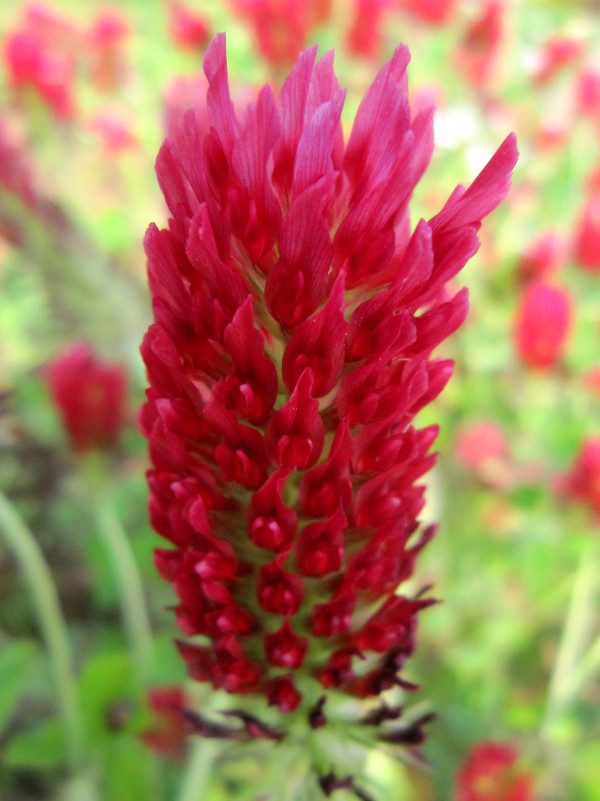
(188, 29)
(478, 46)
(114, 131)
(363, 37)
(542, 324)
(553, 134)
(90, 396)
(582, 482)
(586, 246)
(168, 732)
(282, 27)
(541, 258)
(479, 443)
(32, 61)
(431, 11)
(556, 54)
(588, 92)
(490, 772)
(105, 39)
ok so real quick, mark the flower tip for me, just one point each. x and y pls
(215, 52)
(311, 53)
(401, 56)
(504, 160)
(512, 151)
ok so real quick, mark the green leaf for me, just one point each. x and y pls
(16, 663)
(40, 747)
(106, 690)
(130, 772)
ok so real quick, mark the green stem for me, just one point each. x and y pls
(51, 621)
(575, 632)
(589, 665)
(196, 778)
(131, 591)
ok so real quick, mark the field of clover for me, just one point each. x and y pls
(269, 417)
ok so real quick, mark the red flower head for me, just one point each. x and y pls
(542, 324)
(478, 47)
(582, 482)
(105, 40)
(588, 92)
(541, 258)
(282, 27)
(553, 133)
(364, 35)
(556, 54)
(108, 30)
(189, 30)
(490, 773)
(33, 61)
(433, 12)
(114, 131)
(587, 237)
(168, 732)
(481, 443)
(295, 318)
(90, 396)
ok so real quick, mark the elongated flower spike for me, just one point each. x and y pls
(295, 318)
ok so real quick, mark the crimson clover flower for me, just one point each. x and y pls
(556, 54)
(541, 258)
(582, 482)
(542, 324)
(32, 60)
(586, 244)
(189, 30)
(90, 395)
(587, 92)
(432, 12)
(491, 772)
(104, 40)
(480, 444)
(295, 318)
(281, 27)
(167, 733)
(364, 35)
(477, 52)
